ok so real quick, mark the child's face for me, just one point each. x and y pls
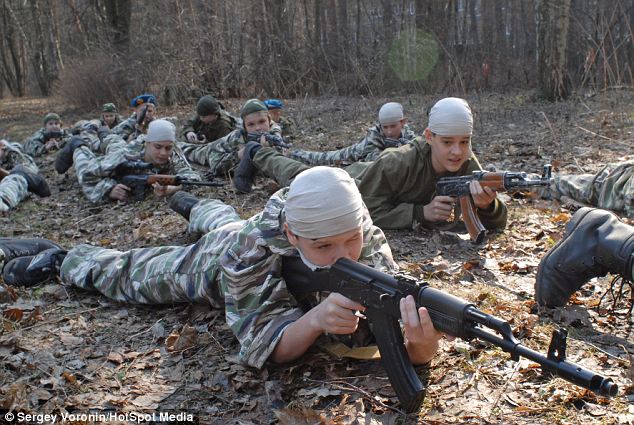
(158, 153)
(109, 118)
(393, 130)
(326, 251)
(275, 114)
(149, 115)
(209, 119)
(448, 153)
(53, 126)
(257, 122)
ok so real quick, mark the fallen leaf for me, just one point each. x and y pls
(13, 314)
(183, 340)
(115, 357)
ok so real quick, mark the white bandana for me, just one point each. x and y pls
(161, 131)
(322, 202)
(390, 113)
(451, 116)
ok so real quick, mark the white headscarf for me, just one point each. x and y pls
(451, 116)
(161, 131)
(322, 202)
(390, 113)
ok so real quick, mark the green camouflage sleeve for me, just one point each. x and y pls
(181, 167)
(191, 125)
(126, 127)
(16, 155)
(34, 145)
(368, 147)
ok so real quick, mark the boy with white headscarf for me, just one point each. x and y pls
(238, 263)
(399, 186)
(391, 131)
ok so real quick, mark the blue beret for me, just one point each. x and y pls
(273, 103)
(143, 98)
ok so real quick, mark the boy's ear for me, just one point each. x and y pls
(292, 237)
(428, 135)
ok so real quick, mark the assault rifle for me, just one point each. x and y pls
(138, 182)
(52, 135)
(394, 143)
(272, 139)
(381, 293)
(504, 181)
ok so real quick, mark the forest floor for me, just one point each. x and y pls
(64, 350)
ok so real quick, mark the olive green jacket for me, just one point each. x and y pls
(401, 181)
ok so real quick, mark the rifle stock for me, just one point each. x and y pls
(381, 293)
(138, 182)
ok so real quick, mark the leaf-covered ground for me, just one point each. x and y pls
(68, 351)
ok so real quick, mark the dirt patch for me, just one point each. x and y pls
(69, 351)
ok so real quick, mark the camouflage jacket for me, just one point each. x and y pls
(35, 145)
(224, 125)
(289, 127)
(220, 155)
(367, 149)
(126, 127)
(97, 186)
(14, 155)
(402, 181)
(258, 304)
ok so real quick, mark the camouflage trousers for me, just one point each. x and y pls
(611, 188)
(13, 189)
(283, 170)
(161, 275)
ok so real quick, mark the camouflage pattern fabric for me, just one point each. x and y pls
(96, 174)
(241, 258)
(15, 155)
(367, 149)
(288, 127)
(611, 188)
(273, 164)
(224, 125)
(221, 156)
(35, 145)
(118, 120)
(126, 127)
(13, 189)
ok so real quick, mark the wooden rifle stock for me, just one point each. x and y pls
(470, 217)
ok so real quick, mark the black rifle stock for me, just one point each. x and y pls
(381, 293)
(52, 135)
(458, 187)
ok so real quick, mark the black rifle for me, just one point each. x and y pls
(503, 181)
(381, 293)
(132, 167)
(272, 139)
(52, 135)
(394, 143)
(138, 182)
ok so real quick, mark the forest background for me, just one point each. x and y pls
(96, 51)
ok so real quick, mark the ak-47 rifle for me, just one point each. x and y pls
(381, 293)
(501, 182)
(272, 139)
(52, 135)
(138, 182)
(394, 143)
(139, 126)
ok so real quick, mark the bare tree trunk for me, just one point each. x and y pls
(13, 51)
(554, 20)
(118, 13)
(45, 68)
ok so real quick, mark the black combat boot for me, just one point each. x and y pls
(182, 203)
(595, 242)
(31, 270)
(36, 183)
(244, 173)
(14, 247)
(64, 158)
